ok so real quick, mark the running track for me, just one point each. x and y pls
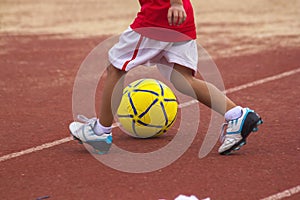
(36, 162)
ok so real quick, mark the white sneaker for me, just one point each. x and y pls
(238, 130)
(84, 132)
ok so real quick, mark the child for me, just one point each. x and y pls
(150, 28)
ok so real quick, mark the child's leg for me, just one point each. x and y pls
(183, 80)
(111, 86)
(92, 131)
(246, 120)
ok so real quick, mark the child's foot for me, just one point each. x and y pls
(84, 132)
(238, 130)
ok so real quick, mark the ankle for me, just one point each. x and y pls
(99, 128)
(233, 113)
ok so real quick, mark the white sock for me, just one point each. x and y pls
(233, 113)
(99, 129)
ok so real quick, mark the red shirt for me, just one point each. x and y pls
(154, 14)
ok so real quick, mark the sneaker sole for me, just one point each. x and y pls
(254, 121)
(100, 147)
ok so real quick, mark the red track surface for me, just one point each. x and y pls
(35, 101)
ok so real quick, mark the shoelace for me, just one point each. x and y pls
(90, 122)
(86, 120)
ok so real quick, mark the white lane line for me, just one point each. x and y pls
(230, 90)
(37, 148)
(40, 147)
(248, 85)
(262, 81)
(284, 194)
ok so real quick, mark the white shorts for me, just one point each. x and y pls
(134, 50)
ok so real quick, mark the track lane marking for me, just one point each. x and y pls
(284, 194)
(34, 149)
(230, 90)
(262, 81)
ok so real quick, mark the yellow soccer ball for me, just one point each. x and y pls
(148, 108)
